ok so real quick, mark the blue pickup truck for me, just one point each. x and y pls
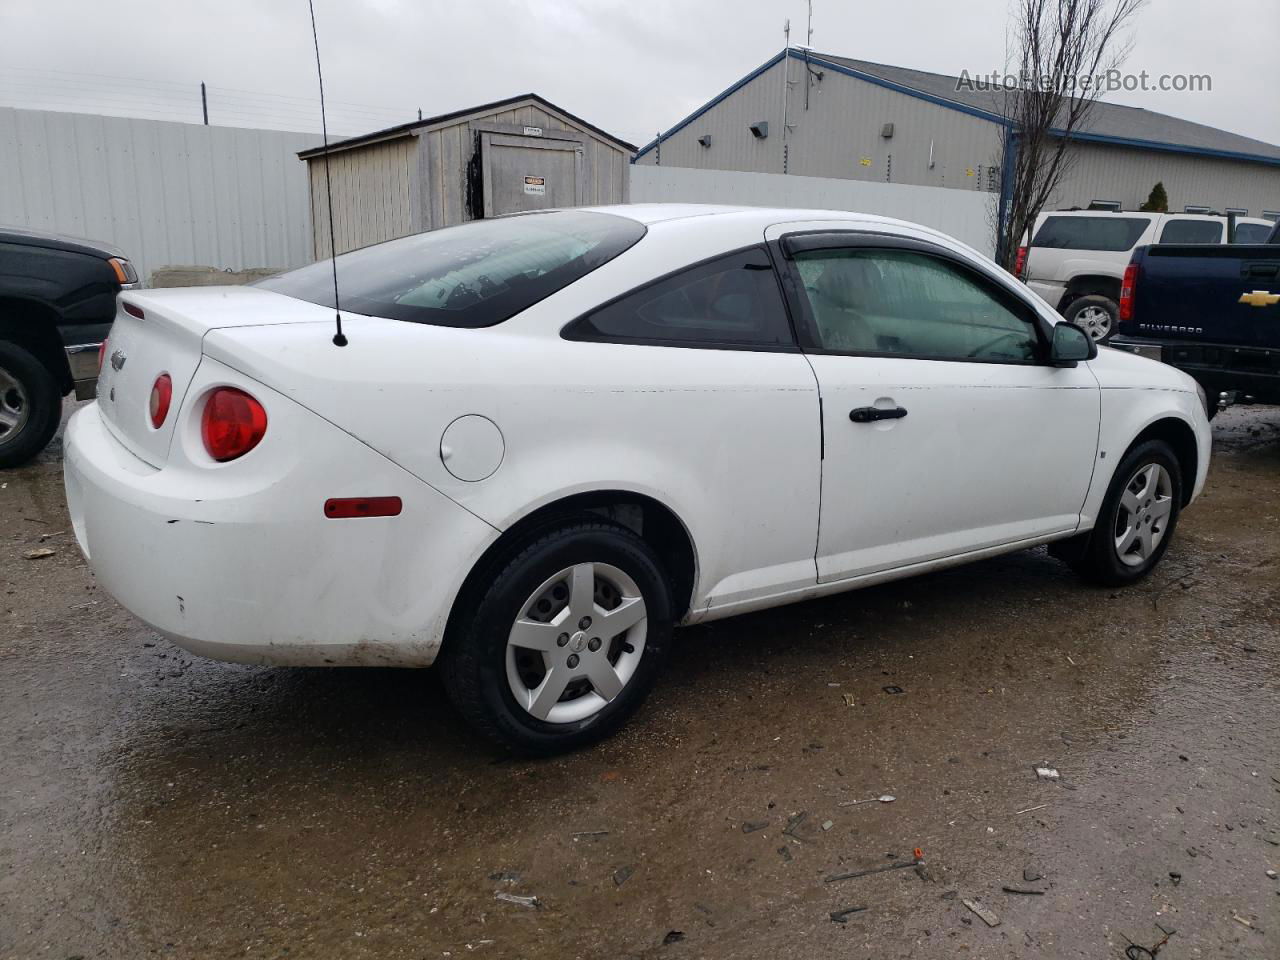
(1211, 311)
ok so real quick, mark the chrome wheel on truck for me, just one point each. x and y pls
(30, 405)
(14, 406)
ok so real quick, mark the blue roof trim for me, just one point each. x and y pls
(902, 88)
(960, 108)
(1171, 147)
(776, 58)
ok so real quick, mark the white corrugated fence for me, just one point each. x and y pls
(168, 194)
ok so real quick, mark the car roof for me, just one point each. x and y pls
(652, 213)
(1180, 214)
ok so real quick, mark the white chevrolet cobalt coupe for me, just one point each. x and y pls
(553, 437)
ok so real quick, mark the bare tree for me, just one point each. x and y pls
(1063, 49)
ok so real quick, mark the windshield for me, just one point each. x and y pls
(473, 275)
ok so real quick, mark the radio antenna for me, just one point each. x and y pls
(339, 340)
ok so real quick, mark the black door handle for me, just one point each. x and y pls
(871, 414)
(1260, 270)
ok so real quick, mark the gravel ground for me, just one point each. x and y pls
(152, 803)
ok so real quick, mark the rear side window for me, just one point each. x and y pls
(730, 301)
(1252, 232)
(473, 275)
(1090, 233)
(1191, 231)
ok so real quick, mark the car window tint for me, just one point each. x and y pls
(473, 275)
(1090, 233)
(901, 303)
(732, 300)
(1191, 231)
(1252, 232)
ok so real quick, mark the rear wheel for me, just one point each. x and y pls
(1095, 315)
(1137, 519)
(30, 405)
(565, 641)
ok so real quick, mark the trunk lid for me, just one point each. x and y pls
(168, 338)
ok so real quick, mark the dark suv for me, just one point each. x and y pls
(57, 301)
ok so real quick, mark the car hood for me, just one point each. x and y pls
(1119, 370)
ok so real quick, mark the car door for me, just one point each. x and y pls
(710, 399)
(946, 432)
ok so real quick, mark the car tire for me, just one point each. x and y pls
(30, 405)
(1136, 523)
(1095, 315)
(508, 691)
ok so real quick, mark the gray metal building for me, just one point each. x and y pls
(523, 153)
(827, 116)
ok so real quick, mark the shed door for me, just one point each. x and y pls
(529, 173)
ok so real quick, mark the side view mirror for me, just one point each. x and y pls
(1070, 345)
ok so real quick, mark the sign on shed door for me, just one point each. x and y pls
(528, 173)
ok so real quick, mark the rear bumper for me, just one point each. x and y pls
(1050, 291)
(243, 565)
(1217, 367)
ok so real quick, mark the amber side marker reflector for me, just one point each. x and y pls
(343, 508)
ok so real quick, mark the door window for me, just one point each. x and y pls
(903, 303)
(730, 301)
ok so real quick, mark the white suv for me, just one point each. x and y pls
(1076, 258)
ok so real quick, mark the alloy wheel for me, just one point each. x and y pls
(14, 407)
(576, 643)
(1142, 517)
(1095, 321)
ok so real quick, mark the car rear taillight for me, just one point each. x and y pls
(1126, 291)
(232, 424)
(102, 354)
(161, 395)
(1020, 264)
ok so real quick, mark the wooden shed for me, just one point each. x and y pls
(523, 153)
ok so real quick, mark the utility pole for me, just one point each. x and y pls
(204, 103)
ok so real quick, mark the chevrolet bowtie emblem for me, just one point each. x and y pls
(1259, 298)
(117, 360)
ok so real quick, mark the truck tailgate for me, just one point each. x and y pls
(1215, 294)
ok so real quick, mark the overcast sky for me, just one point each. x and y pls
(630, 66)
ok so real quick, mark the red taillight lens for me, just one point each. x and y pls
(232, 424)
(102, 354)
(161, 395)
(1020, 264)
(1126, 291)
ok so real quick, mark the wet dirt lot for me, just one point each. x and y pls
(154, 804)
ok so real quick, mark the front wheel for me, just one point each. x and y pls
(1137, 519)
(30, 405)
(565, 641)
(1095, 315)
